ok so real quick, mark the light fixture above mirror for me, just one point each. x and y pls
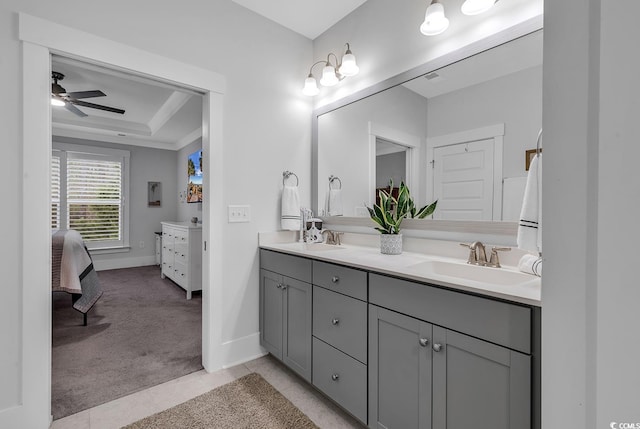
(435, 21)
(332, 72)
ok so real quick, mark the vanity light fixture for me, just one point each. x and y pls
(434, 20)
(475, 7)
(332, 72)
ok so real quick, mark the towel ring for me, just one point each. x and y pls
(332, 178)
(287, 174)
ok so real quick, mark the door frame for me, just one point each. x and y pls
(41, 38)
(411, 142)
(491, 132)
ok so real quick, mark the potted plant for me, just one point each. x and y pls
(389, 214)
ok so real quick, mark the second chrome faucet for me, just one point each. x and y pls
(478, 254)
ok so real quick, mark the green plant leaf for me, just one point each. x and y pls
(427, 210)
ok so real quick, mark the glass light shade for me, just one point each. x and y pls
(57, 102)
(349, 66)
(474, 7)
(434, 20)
(310, 86)
(329, 77)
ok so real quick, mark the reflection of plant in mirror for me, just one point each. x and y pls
(391, 211)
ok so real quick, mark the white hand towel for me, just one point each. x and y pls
(335, 202)
(290, 213)
(530, 227)
(531, 264)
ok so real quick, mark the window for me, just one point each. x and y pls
(89, 188)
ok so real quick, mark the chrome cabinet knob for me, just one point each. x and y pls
(335, 377)
(335, 279)
(335, 321)
(437, 347)
(279, 285)
(284, 287)
(424, 342)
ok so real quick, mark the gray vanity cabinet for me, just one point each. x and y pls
(423, 375)
(285, 310)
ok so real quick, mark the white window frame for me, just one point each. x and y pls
(61, 149)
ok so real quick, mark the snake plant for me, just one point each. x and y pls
(391, 211)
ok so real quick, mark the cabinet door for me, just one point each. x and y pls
(400, 359)
(296, 347)
(271, 312)
(479, 384)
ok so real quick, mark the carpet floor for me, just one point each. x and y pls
(247, 403)
(142, 332)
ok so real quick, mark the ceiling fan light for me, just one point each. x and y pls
(475, 7)
(434, 20)
(57, 102)
(349, 66)
(310, 86)
(329, 77)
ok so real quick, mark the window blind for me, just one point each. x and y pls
(95, 197)
(55, 192)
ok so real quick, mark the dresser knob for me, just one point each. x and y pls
(335, 321)
(335, 377)
(437, 347)
(424, 342)
(335, 279)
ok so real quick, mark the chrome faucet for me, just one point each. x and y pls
(478, 254)
(333, 237)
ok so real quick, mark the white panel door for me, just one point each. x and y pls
(463, 181)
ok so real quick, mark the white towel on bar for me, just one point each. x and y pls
(290, 214)
(335, 202)
(531, 264)
(530, 226)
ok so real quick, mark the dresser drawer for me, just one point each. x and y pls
(287, 265)
(345, 280)
(181, 235)
(340, 321)
(181, 251)
(499, 322)
(341, 377)
(180, 273)
(168, 234)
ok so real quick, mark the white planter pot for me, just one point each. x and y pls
(391, 244)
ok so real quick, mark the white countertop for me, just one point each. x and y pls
(410, 265)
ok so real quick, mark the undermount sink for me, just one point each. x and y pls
(476, 273)
(319, 247)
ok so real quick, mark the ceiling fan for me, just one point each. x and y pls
(72, 99)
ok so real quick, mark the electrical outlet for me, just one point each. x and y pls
(239, 214)
(141, 244)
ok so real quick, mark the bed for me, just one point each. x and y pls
(72, 270)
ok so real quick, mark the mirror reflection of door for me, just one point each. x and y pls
(463, 180)
(391, 165)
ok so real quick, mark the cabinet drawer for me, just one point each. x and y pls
(499, 322)
(168, 234)
(287, 265)
(340, 321)
(341, 377)
(345, 280)
(181, 236)
(180, 273)
(181, 251)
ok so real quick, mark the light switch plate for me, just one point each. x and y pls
(239, 213)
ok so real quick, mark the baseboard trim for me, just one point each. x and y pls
(115, 264)
(241, 350)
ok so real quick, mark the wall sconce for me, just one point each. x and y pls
(435, 22)
(332, 73)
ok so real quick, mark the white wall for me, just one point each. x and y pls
(515, 100)
(186, 210)
(391, 166)
(343, 141)
(590, 206)
(146, 165)
(385, 39)
(266, 131)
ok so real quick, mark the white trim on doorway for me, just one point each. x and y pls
(41, 38)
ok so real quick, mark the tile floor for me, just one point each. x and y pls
(131, 408)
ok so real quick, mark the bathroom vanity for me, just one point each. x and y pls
(399, 344)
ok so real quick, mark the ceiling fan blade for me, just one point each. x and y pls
(96, 106)
(73, 109)
(86, 94)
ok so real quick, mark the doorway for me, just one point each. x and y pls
(40, 39)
